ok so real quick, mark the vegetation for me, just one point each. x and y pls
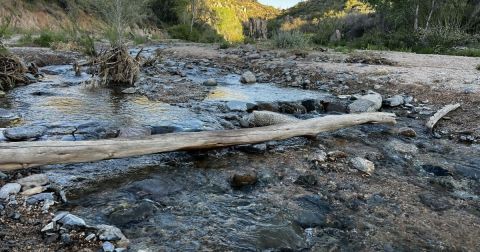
(290, 39)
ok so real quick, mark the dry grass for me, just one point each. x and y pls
(117, 66)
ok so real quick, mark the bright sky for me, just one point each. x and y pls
(280, 3)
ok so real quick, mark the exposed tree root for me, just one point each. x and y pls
(12, 71)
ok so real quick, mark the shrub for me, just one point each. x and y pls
(47, 38)
(183, 32)
(290, 39)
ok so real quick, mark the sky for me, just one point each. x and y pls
(280, 3)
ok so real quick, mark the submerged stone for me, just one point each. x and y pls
(24, 133)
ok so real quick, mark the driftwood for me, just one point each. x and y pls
(440, 114)
(15, 156)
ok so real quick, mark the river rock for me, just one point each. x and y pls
(7, 116)
(71, 221)
(32, 181)
(394, 101)
(131, 90)
(363, 165)
(135, 132)
(32, 200)
(108, 247)
(248, 78)
(210, 82)
(371, 102)
(109, 233)
(49, 227)
(242, 180)
(24, 133)
(313, 211)
(132, 214)
(33, 191)
(10, 188)
(407, 132)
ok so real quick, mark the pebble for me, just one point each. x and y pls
(131, 90)
(32, 200)
(10, 188)
(210, 82)
(108, 247)
(24, 133)
(248, 78)
(363, 165)
(32, 181)
(407, 132)
(71, 221)
(241, 180)
(395, 101)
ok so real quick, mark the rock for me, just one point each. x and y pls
(313, 211)
(394, 101)
(132, 214)
(436, 170)
(318, 157)
(32, 200)
(134, 132)
(253, 148)
(306, 181)
(66, 239)
(371, 102)
(7, 116)
(10, 188)
(131, 90)
(407, 132)
(33, 191)
(108, 247)
(71, 221)
(239, 106)
(287, 237)
(334, 155)
(2, 94)
(239, 181)
(210, 83)
(15, 216)
(402, 147)
(121, 250)
(24, 133)
(109, 233)
(32, 181)
(267, 118)
(30, 78)
(58, 216)
(292, 108)
(363, 165)
(434, 202)
(312, 105)
(248, 78)
(49, 227)
(90, 237)
(3, 176)
(46, 205)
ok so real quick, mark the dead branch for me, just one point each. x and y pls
(440, 114)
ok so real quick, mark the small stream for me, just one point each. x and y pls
(184, 201)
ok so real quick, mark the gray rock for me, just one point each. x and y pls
(402, 147)
(407, 132)
(367, 103)
(395, 101)
(363, 165)
(31, 78)
(24, 133)
(7, 116)
(248, 78)
(210, 83)
(2, 94)
(71, 221)
(58, 216)
(49, 227)
(10, 188)
(131, 90)
(32, 181)
(108, 247)
(135, 132)
(109, 233)
(32, 200)
(239, 106)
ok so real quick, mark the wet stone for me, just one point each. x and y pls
(306, 181)
(210, 83)
(8, 189)
(32, 200)
(242, 180)
(24, 133)
(434, 202)
(132, 214)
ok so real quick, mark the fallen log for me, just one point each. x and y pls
(440, 114)
(14, 156)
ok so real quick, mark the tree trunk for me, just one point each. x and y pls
(23, 155)
(427, 25)
(415, 25)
